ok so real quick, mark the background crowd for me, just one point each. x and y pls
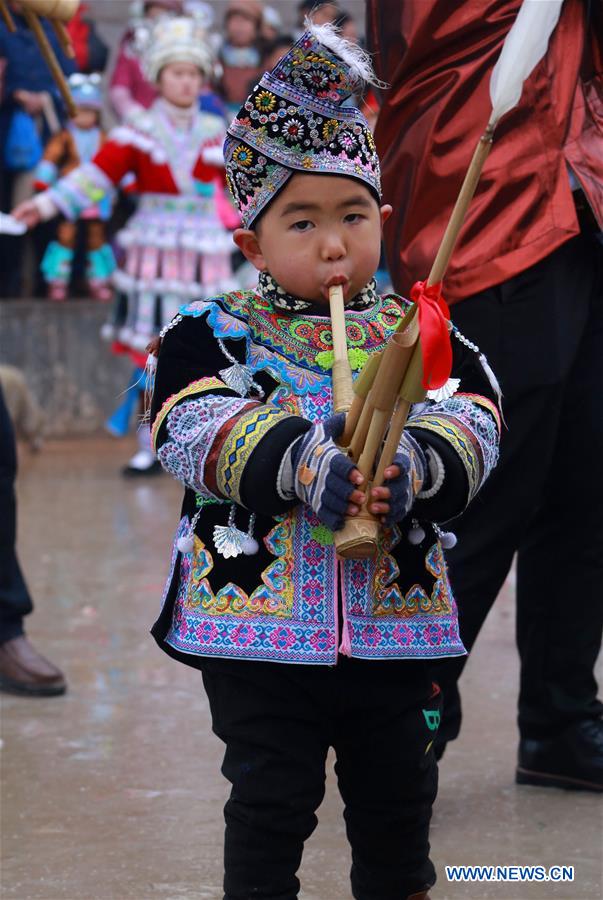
(38, 143)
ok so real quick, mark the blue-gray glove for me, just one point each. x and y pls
(410, 459)
(315, 470)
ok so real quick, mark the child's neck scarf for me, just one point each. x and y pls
(269, 289)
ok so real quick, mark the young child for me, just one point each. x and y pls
(300, 651)
(75, 145)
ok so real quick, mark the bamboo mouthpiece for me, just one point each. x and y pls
(342, 373)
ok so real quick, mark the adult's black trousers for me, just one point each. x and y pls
(543, 334)
(278, 722)
(15, 601)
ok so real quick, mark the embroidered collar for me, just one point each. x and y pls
(297, 347)
(269, 289)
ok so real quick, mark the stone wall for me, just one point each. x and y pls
(71, 371)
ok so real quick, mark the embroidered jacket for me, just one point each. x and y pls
(237, 380)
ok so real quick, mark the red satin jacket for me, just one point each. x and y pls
(437, 56)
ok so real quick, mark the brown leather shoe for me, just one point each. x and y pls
(24, 671)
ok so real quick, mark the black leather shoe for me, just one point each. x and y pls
(25, 671)
(573, 760)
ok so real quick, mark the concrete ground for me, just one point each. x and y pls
(114, 791)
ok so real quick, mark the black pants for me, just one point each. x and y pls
(15, 601)
(543, 334)
(278, 722)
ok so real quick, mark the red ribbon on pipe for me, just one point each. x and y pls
(434, 334)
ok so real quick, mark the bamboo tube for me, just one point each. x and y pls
(342, 373)
(361, 387)
(457, 217)
(411, 391)
(47, 52)
(6, 17)
(358, 539)
(383, 395)
(63, 38)
(393, 439)
(361, 431)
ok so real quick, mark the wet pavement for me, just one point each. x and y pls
(114, 791)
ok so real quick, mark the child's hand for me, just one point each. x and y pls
(358, 497)
(403, 480)
(28, 213)
(322, 475)
(379, 501)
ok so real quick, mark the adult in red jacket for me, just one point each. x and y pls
(526, 284)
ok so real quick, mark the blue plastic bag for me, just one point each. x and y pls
(23, 148)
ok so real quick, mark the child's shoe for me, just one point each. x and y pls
(144, 462)
(56, 269)
(57, 291)
(100, 290)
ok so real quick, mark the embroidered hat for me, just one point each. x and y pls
(294, 120)
(177, 39)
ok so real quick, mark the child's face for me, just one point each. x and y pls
(320, 230)
(85, 118)
(180, 83)
(241, 30)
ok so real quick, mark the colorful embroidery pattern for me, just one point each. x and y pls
(195, 387)
(290, 346)
(286, 619)
(300, 339)
(391, 601)
(240, 444)
(472, 428)
(273, 598)
(192, 427)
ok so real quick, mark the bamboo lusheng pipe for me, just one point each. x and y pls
(383, 394)
(51, 61)
(411, 391)
(63, 38)
(358, 539)
(6, 17)
(341, 372)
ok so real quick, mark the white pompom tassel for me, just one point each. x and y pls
(250, 546)
(416, 535)
(185, 543)
(448, 540)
